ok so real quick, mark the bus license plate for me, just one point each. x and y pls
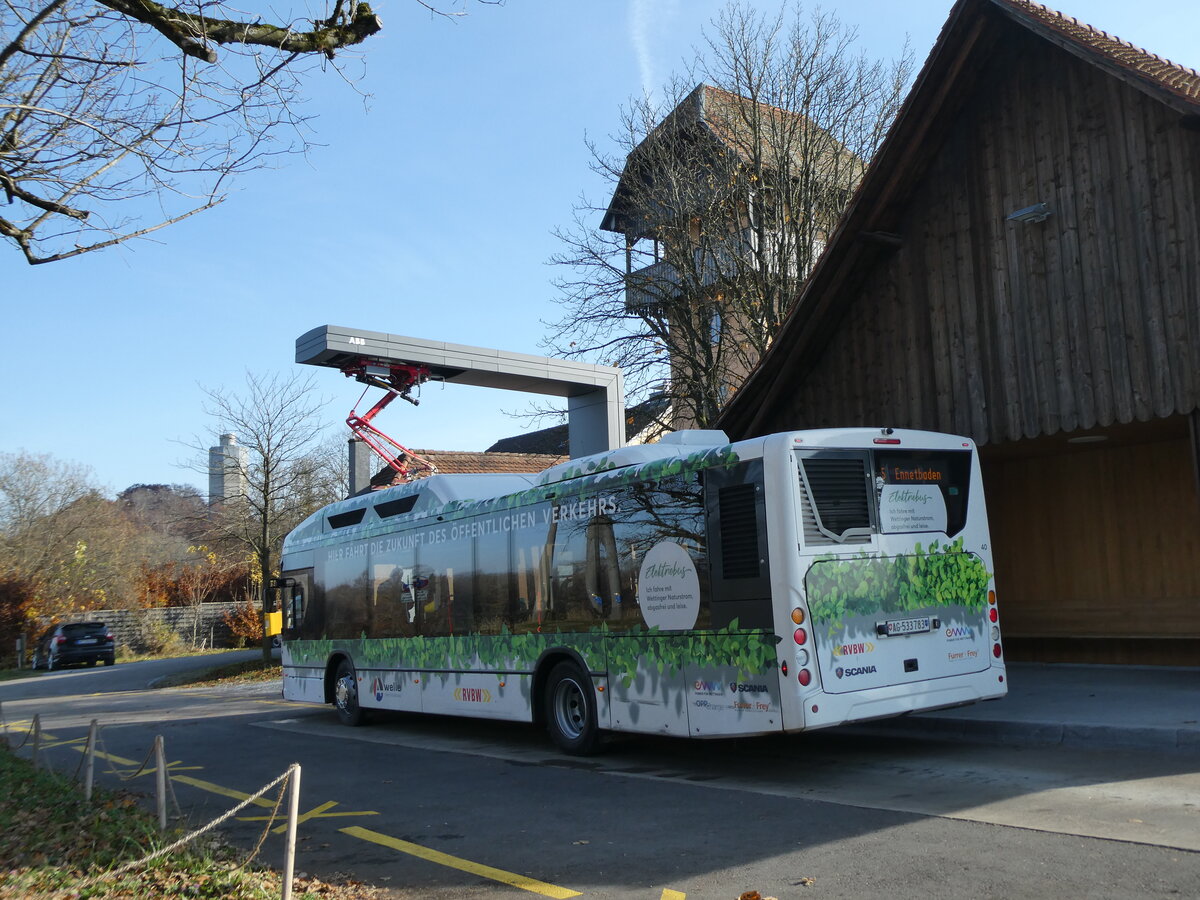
(907, 626)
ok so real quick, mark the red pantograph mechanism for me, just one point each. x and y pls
(398, 380)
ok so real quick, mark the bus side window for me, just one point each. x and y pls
(295, 610)
(293, 598)
(602, 576)
(735, 502)
(572, 605)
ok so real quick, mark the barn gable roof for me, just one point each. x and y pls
(868, 228)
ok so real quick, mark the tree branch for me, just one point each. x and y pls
(14, 190)
(192, 34)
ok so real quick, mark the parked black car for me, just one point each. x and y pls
(77, 642)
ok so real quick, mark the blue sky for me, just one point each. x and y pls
(427, 212)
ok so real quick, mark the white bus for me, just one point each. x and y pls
(689, 587)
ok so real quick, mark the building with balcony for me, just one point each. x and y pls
(724, 207)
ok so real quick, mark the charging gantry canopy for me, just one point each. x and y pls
(595, 394)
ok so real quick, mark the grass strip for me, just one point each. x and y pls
(55, 845)
(246, 672)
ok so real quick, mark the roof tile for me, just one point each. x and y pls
(1172, 76)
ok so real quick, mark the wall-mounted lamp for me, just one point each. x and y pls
(1039, 212)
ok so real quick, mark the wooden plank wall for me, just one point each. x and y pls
(1007, 332)
(1098, 544)
(1004, 330)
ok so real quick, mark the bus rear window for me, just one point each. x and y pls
(922, 490)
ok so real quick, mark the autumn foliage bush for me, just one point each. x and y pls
(16, 597)
(245, 624)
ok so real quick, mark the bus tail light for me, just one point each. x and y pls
(805, 677)
(798, 616)
(802, 657)
(993, 616)
(783, 669)
(800, 636)
(996, 651)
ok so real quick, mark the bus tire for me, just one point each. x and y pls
(345, 695)
(570, 708)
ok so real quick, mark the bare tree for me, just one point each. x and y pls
(74, 549)
(279, 424)
(722, 198)
(200, 576)
(43, 514)
(119, 117)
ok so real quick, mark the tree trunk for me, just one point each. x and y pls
(265, 586)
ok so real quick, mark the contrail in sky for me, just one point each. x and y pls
(649, 19)
(639, 36)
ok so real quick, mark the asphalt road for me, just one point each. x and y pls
(451, 808)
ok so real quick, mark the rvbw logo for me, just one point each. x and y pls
(854, 670)
(854, 649)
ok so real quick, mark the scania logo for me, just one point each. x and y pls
(739, 688)
(854, 670)
(853, 649)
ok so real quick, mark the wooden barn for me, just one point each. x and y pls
(1021, 264)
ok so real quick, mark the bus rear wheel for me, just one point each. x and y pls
(570, 707)
(345, 695)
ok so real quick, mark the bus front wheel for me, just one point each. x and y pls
(345, 695)
(571, 710)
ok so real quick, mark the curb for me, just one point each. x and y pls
(1037, 734)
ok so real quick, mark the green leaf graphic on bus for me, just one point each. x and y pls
(617, 653)
(839, 589)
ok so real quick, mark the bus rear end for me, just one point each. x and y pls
(888, 578)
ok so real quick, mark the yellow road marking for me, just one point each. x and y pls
(463, 865)
(187, 779)
(321, 812)
(27, 724)
(223, 791)
(111, 757)
(669, 894)
(65, 743)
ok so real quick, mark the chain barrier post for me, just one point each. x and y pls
(89, 761)
(160, 781)
(37, 740)
(289, 859)
(4, 727)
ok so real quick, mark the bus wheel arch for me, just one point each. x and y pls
(566, 698)
(541, 676)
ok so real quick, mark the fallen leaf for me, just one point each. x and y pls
(750, 895)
